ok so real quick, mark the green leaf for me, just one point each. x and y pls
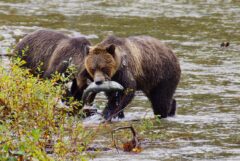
(36, 133)
(11, 159)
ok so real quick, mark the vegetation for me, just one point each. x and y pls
(33, 122)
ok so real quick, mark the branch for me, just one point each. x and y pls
(9, 54)
(133, 145)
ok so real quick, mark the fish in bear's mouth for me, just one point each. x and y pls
(106, 86)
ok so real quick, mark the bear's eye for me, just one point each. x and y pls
(92, 70)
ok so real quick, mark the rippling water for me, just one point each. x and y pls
(207, 126)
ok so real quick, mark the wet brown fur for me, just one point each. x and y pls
(99, 54)
(53, 51)
(138, 63)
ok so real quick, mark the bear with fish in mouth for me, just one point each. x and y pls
(137, 63)
(52, 52)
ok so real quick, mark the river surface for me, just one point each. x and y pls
(207, 126)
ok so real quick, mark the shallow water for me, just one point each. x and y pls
(207, 126)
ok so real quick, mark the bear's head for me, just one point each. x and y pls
(101, 63)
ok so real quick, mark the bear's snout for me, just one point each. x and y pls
(99, 77)
(98, 81)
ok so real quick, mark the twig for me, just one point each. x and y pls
(114, 143)
(2, 103)
(133, 143)
(7, 54)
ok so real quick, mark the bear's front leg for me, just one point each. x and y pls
(77, 91)
(117, 101)
(79, 84)
(112, 104)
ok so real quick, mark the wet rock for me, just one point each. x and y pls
(87, 112)
(97, 148)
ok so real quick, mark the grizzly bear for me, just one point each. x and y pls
(137, 63)
(52, 52)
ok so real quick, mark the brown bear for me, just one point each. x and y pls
(53, 51)
(137, 63)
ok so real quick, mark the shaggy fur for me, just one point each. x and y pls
(137, 63)
(53, 51)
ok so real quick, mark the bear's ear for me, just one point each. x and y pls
(87, 49)
(111, 49)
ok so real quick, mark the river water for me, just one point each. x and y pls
(207, 126)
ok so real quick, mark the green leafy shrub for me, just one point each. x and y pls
(33, 122)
